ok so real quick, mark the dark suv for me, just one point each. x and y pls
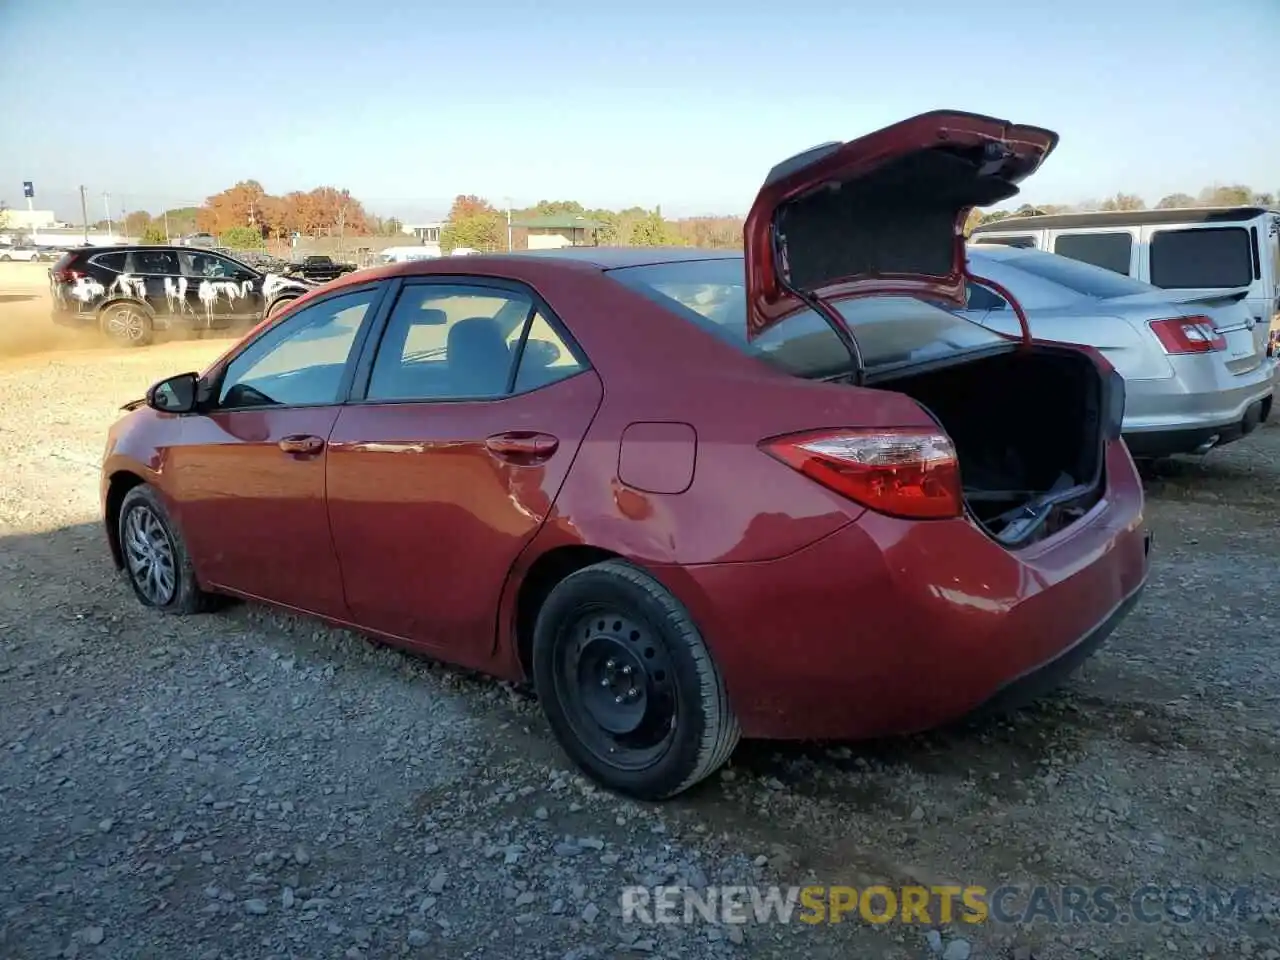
(129, 292)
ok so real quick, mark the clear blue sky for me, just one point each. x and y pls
(683, 103)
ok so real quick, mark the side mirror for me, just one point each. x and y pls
(174, 395)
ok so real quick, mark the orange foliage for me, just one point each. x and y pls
(322, 211)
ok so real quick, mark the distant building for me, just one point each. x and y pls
(558, 230)
(25, 221)
(425, 232)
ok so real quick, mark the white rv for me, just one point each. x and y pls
(427, 251)
(1191, 249)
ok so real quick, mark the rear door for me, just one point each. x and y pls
(145, 272)
(464, 421)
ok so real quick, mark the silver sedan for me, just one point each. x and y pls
(1196, 369)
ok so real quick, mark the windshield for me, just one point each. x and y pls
(711, 294)
(1078, 277)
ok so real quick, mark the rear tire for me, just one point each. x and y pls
(628, 685)
(127, 324)
(156, 562)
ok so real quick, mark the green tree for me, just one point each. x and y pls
(474, 223)
(1234, 195)
(241, 238)
(552, 208)
(653, 231)
(1124, 201)
(154, 233)
(1175, 200)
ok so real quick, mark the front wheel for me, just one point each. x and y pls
(156, 562)
(127, 324)
(279, 305)
(628, 685)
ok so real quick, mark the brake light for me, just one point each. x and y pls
(903, 472)
(67, 276)
(1188, 335)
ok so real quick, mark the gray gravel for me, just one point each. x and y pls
(251, 784)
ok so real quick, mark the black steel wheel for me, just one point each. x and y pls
(154, 556)
(628, 685)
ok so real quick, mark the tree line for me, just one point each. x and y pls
(245, 215)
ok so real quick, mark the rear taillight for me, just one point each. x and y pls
(1188, 335)
(903, 472)
(67, 276)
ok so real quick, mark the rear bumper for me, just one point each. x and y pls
(888, 626)
(1193, 400)
(1200, 439)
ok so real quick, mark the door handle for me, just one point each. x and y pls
(301, 444)
(520, 446)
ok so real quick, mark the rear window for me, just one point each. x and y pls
(1208, 257)
(711, 294)
(112, 261)
(1078, 277)
(1111, 251)
(1022, 242)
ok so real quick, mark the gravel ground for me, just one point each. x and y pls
(251, 784)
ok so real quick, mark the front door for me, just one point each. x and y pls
(218, 291)
(476, 404)
(248, 476)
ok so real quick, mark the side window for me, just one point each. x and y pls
(1202, 257)
(152, 262)
(112, 261)
(449, 342)
(208, 266)
(980, 298)
(301, 360)
(1022, 242)
(1111, 251)
(546, 357)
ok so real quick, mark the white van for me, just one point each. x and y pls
(1191, 249)
(405, 254)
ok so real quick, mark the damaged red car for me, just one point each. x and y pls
(692, 495)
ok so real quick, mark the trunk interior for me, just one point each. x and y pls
(1028, 429)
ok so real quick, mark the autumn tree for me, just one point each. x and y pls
(1174, 200)
(238, 206)
(473, 223)
(136, 223)
(1124, 201)
(1235, 195)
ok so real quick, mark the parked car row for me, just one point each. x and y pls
(793, 492)
(1196, 364)
(27, 252)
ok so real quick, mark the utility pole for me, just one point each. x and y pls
(166, 225)
(508, 224)
(106, 205)
(84, 212)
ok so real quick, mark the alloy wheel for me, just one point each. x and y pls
(126, 323)
(150, 556)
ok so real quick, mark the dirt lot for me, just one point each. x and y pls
(251, 785)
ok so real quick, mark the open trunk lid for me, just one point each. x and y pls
(880, 215)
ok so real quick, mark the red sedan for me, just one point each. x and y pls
(694, 495)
